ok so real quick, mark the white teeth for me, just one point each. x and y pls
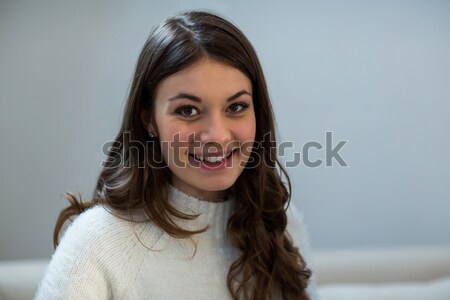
(211, 159)
(214, 159)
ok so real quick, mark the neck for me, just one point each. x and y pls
(210, 196)
(212, 214)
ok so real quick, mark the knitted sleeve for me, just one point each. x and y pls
(76, 270)
(298, 232)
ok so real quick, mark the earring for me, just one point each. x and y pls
(151, 134)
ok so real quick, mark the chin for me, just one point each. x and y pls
(217, 187)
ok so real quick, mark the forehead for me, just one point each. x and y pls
(207, 77)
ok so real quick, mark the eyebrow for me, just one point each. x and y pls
(198, 99)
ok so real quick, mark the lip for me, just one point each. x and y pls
(212, 166)
(214, 154)
(218, 154)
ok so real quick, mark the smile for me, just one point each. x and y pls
(211, 158)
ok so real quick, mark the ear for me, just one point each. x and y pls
(146, 119)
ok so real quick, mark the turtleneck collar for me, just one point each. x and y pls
(214, 214)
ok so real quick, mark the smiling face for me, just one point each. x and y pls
(205, 122)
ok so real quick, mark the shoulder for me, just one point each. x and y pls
(78, 268)
(92, 253)
(297, 227)
(298, 231)
(97, 232)
(95, 224)
(97, 215)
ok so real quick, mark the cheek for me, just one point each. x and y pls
(175, 141)
(247, 131)
(175, 131)
(246, 136)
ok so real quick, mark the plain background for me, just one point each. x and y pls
(374, 73)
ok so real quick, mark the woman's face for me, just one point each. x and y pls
(206, 126)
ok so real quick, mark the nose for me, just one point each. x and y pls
(216, 129)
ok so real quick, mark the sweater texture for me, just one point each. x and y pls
(102, 256)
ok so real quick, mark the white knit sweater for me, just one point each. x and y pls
(104, 257)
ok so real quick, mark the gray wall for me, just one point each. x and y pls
(374, 73)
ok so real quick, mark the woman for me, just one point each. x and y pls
(190, 203)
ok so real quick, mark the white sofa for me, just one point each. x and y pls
(372, 274)
(418, 273)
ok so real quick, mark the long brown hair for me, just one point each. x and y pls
(134, 176)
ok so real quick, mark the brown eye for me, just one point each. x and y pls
(237, 107)
(187, 111)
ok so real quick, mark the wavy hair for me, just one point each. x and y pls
(135, 176)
